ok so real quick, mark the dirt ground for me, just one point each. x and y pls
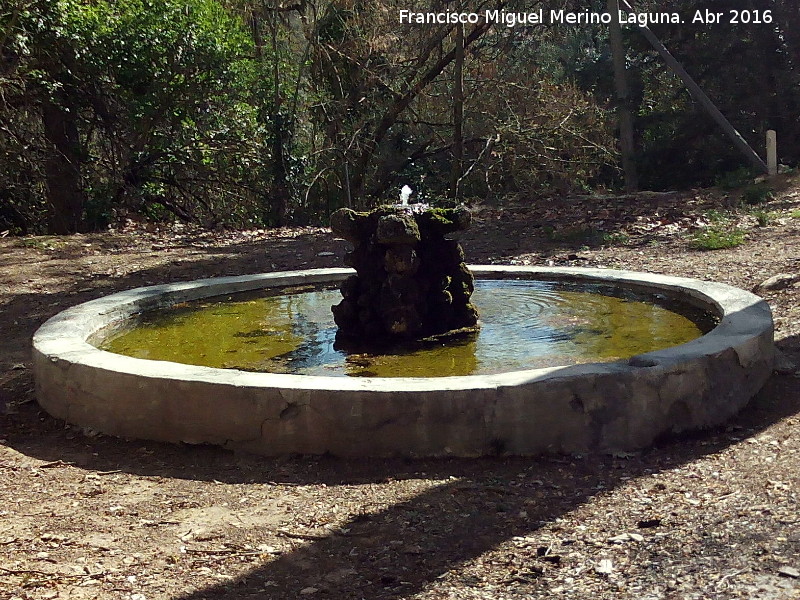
(713, 515)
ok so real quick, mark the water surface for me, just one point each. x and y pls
(524, 324)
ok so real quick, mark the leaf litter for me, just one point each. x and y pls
(711, 515)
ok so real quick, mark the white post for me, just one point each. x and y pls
(772, 152)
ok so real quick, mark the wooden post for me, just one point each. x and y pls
(624, 113)
(772, 152)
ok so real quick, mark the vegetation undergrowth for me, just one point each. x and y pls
(242, 114)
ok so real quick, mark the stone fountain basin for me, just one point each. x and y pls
(598, 407)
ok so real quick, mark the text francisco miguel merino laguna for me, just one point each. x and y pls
(511, 19)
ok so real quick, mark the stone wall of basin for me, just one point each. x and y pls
(603, 407)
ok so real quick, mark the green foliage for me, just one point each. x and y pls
(717, 237)
(161, 95)
(721, 232)
(717, 217)
(176, 77)
(749, 71)
(237, 114)
(44, 243)
(616, 239)
(757, 194)
(735, 179)
(765, 218)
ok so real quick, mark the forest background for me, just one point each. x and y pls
(261, 113)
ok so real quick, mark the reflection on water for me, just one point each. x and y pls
(525, 324)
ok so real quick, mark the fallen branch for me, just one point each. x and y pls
(227, 551)
(46, 577)
(56, 463)
(302, 536)
(316, 537)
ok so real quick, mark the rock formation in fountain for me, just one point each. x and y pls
(411, 281)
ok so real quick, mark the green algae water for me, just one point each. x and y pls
(524, 325)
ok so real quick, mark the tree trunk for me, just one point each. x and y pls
(65, 194)
(624, 112)
(279, 195)
(458, 113)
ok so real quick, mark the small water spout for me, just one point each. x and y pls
(405, 194)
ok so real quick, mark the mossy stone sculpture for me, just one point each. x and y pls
(411, 281)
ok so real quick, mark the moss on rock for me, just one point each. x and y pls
(411, 282)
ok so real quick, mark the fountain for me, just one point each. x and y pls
(471, 407)
(411, 282)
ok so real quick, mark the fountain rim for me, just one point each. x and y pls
(64, 337)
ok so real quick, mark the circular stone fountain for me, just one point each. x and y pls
(616, 406)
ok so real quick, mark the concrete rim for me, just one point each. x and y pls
(62, 352)
(66, 334)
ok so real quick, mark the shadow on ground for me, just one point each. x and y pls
(405, 547)
(480, 505)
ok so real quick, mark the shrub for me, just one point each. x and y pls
(764, 217)
(757, 194)
(718, 237)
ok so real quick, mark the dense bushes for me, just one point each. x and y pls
(140, 106)
(246, 112)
